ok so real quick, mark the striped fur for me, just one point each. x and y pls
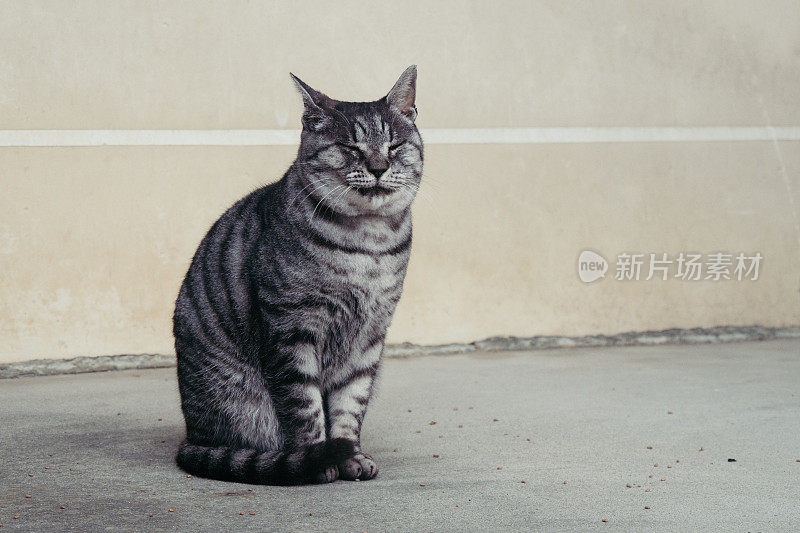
(280, 322)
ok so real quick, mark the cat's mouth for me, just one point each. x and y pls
(374, 190)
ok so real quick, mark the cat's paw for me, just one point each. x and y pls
(320, 460)
(360, 466)
(328, 475)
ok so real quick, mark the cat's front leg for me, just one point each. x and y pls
(295, 386)
(346, 406)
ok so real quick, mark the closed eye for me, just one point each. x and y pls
(393, 148)
(354, 150)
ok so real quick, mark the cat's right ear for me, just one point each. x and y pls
(315, 117)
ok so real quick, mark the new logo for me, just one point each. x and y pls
(591, 266)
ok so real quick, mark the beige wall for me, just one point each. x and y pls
(94, 240)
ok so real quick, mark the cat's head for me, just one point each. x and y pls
(361, 157)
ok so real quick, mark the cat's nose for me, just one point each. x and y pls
(378, 170)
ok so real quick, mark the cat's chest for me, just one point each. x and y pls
(366, 289)
(370, 254)
(362, 293)
(372, 275)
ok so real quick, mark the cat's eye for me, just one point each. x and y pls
(354, 150)
(393, 148)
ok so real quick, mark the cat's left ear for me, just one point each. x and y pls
(404, 93)
(315, 103)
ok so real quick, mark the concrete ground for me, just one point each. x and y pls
(642, 437)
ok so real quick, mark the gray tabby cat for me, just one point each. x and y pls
(280, 322)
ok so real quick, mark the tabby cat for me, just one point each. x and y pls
(280, 322)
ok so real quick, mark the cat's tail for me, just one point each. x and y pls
(312, 464)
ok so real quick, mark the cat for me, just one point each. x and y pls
(280, 321)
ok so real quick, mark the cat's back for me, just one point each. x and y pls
(215, 298)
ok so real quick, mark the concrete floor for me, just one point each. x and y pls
(594, 434)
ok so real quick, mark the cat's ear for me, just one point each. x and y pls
(315, 116)
(404, 92)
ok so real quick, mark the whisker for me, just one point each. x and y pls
(432, 180)
(322, 200)
(317, 185)
(347, 188)
(415, 190)
(322, 186)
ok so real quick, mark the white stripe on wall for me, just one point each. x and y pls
(12, 138)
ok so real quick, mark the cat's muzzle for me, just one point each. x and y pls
(374, 190)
